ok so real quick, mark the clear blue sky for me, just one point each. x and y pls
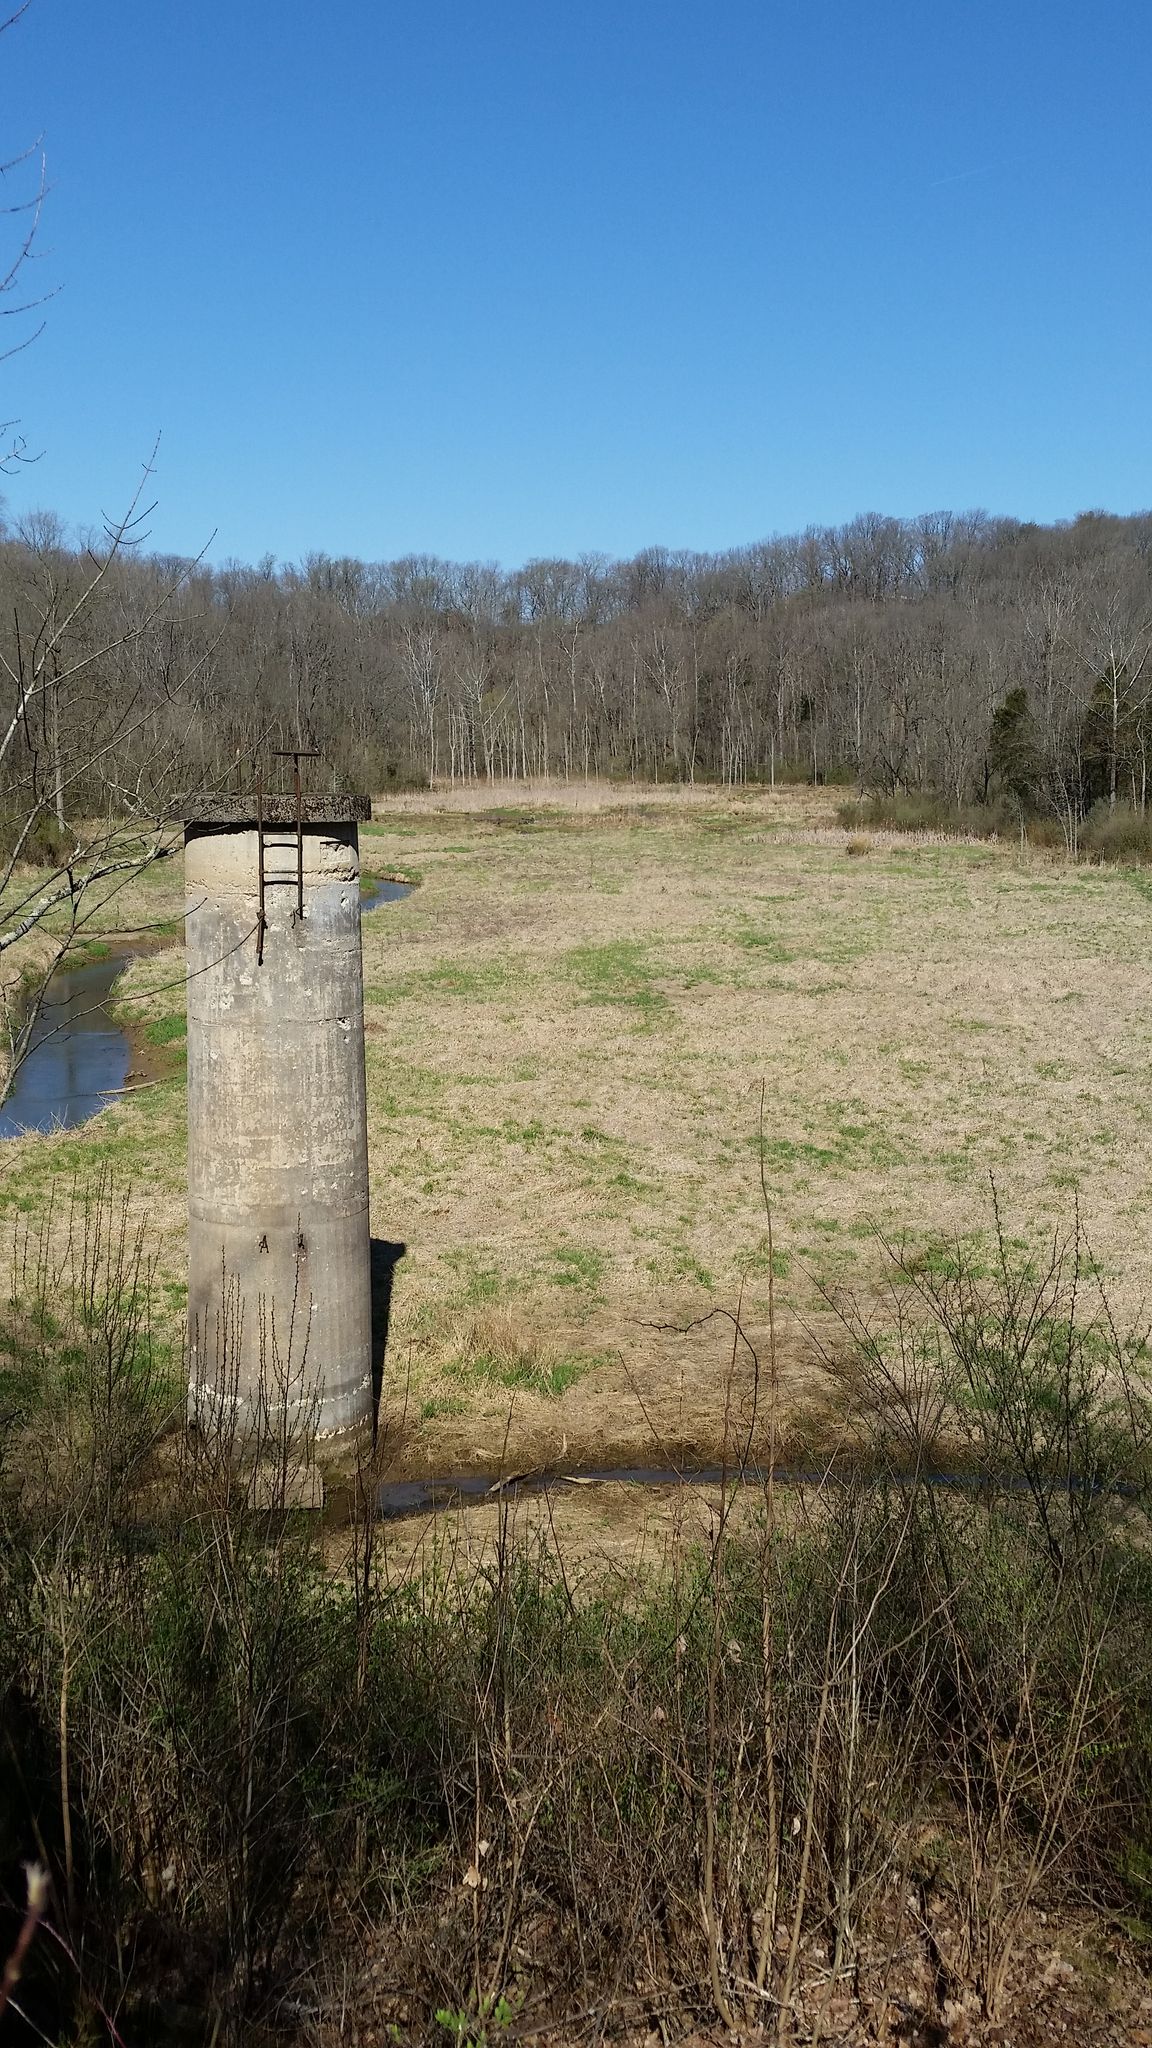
(494, 280)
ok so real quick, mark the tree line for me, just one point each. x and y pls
(959, 654)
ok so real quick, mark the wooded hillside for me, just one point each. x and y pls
(955, 653)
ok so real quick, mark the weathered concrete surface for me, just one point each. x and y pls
(274, 807)
(278, 1241)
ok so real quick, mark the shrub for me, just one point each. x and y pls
(926, 811)
(1122, 835)
(44, 846)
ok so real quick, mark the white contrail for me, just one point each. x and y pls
(979, 170)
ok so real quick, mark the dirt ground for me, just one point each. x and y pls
(1074, 1980)
(571, 1025)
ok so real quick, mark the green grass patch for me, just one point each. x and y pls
(369, 877)
(166, 1030)
(525, 1374)
(768, 944)
(755, 1262)
(682, 1264)
(618, 972)
(478, 983)
(479, 1283)
(851, 1146)
(411, 1090)
(438, 1405)
(577, 1266)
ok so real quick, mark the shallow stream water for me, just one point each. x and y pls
(78, 1055)
(383, 892)
(398, 1498)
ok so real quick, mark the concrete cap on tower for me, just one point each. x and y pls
(340, 807)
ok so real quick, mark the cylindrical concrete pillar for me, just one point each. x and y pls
(279, 1287)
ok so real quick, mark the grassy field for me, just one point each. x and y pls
(570, 1024)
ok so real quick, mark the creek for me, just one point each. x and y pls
(396, 1499)
(78, 1055)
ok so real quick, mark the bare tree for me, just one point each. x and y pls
(1116, 647)
(25, 177)
(91, 743)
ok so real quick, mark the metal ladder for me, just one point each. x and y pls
(295, 755)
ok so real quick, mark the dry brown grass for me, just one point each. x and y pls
(568, 1026)
(922, 1019)
(581, 799)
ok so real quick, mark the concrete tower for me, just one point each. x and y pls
(279, 1290)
